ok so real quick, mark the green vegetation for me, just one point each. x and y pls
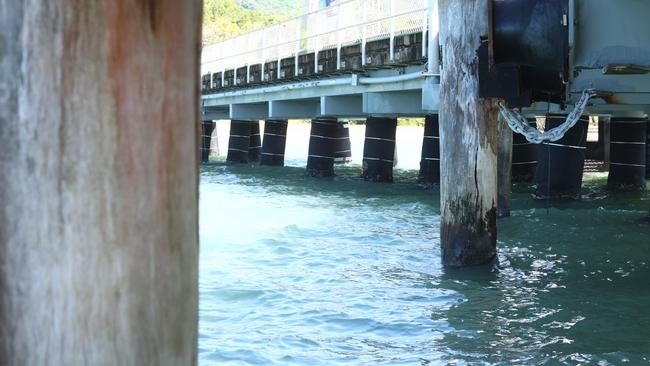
(288, 7)
(418, 122)
(227, 18)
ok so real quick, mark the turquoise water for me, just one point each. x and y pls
(303, 271)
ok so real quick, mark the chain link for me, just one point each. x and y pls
(519, 124)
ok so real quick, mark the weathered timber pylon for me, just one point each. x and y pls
(468, 139)
(99, 182)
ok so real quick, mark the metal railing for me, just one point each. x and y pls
(346, 23)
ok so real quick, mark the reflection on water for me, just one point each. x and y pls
(302, 271)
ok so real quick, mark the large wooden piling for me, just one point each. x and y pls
(255, 147)
(429, 175)
(207, 128)
(468, 140)
(274, 143)
(239, 142)
(98, 182)
(524, 156)
(343, 153)
(379, 149)
(322, 147)
(560, 164)
(647, 153)
(627, 166)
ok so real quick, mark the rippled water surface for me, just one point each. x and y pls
(303, 271)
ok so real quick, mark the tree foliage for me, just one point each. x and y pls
(227, 18)
(292, 7)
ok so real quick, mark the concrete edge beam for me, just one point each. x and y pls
(288, 109)
(215, 114)
(344, 106)
(394, 104)
(249, 111)
(431, 96)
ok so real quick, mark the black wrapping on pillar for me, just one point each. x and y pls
(524, 156)
(647, 149)
(379, 149)
(239, 142)
(255, 142)
(207, 127)
(627, 162)
(274, 143)
(430, 161)
(322, 145)
(560, 164)
(343, 151)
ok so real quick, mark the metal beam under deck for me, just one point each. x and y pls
(411, 92)
(328, 86)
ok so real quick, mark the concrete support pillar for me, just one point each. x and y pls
(524, 156)
(379, 149)
(468, 140)
(274, 143)
(343, 153)
(430, 161)
(99, 182)
(560, 164)
(627, 165)
(322, 146)
(207, 127)
(504, 168)
(239, 142)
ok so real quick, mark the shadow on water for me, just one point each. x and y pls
(340, 271)
(293, 181)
